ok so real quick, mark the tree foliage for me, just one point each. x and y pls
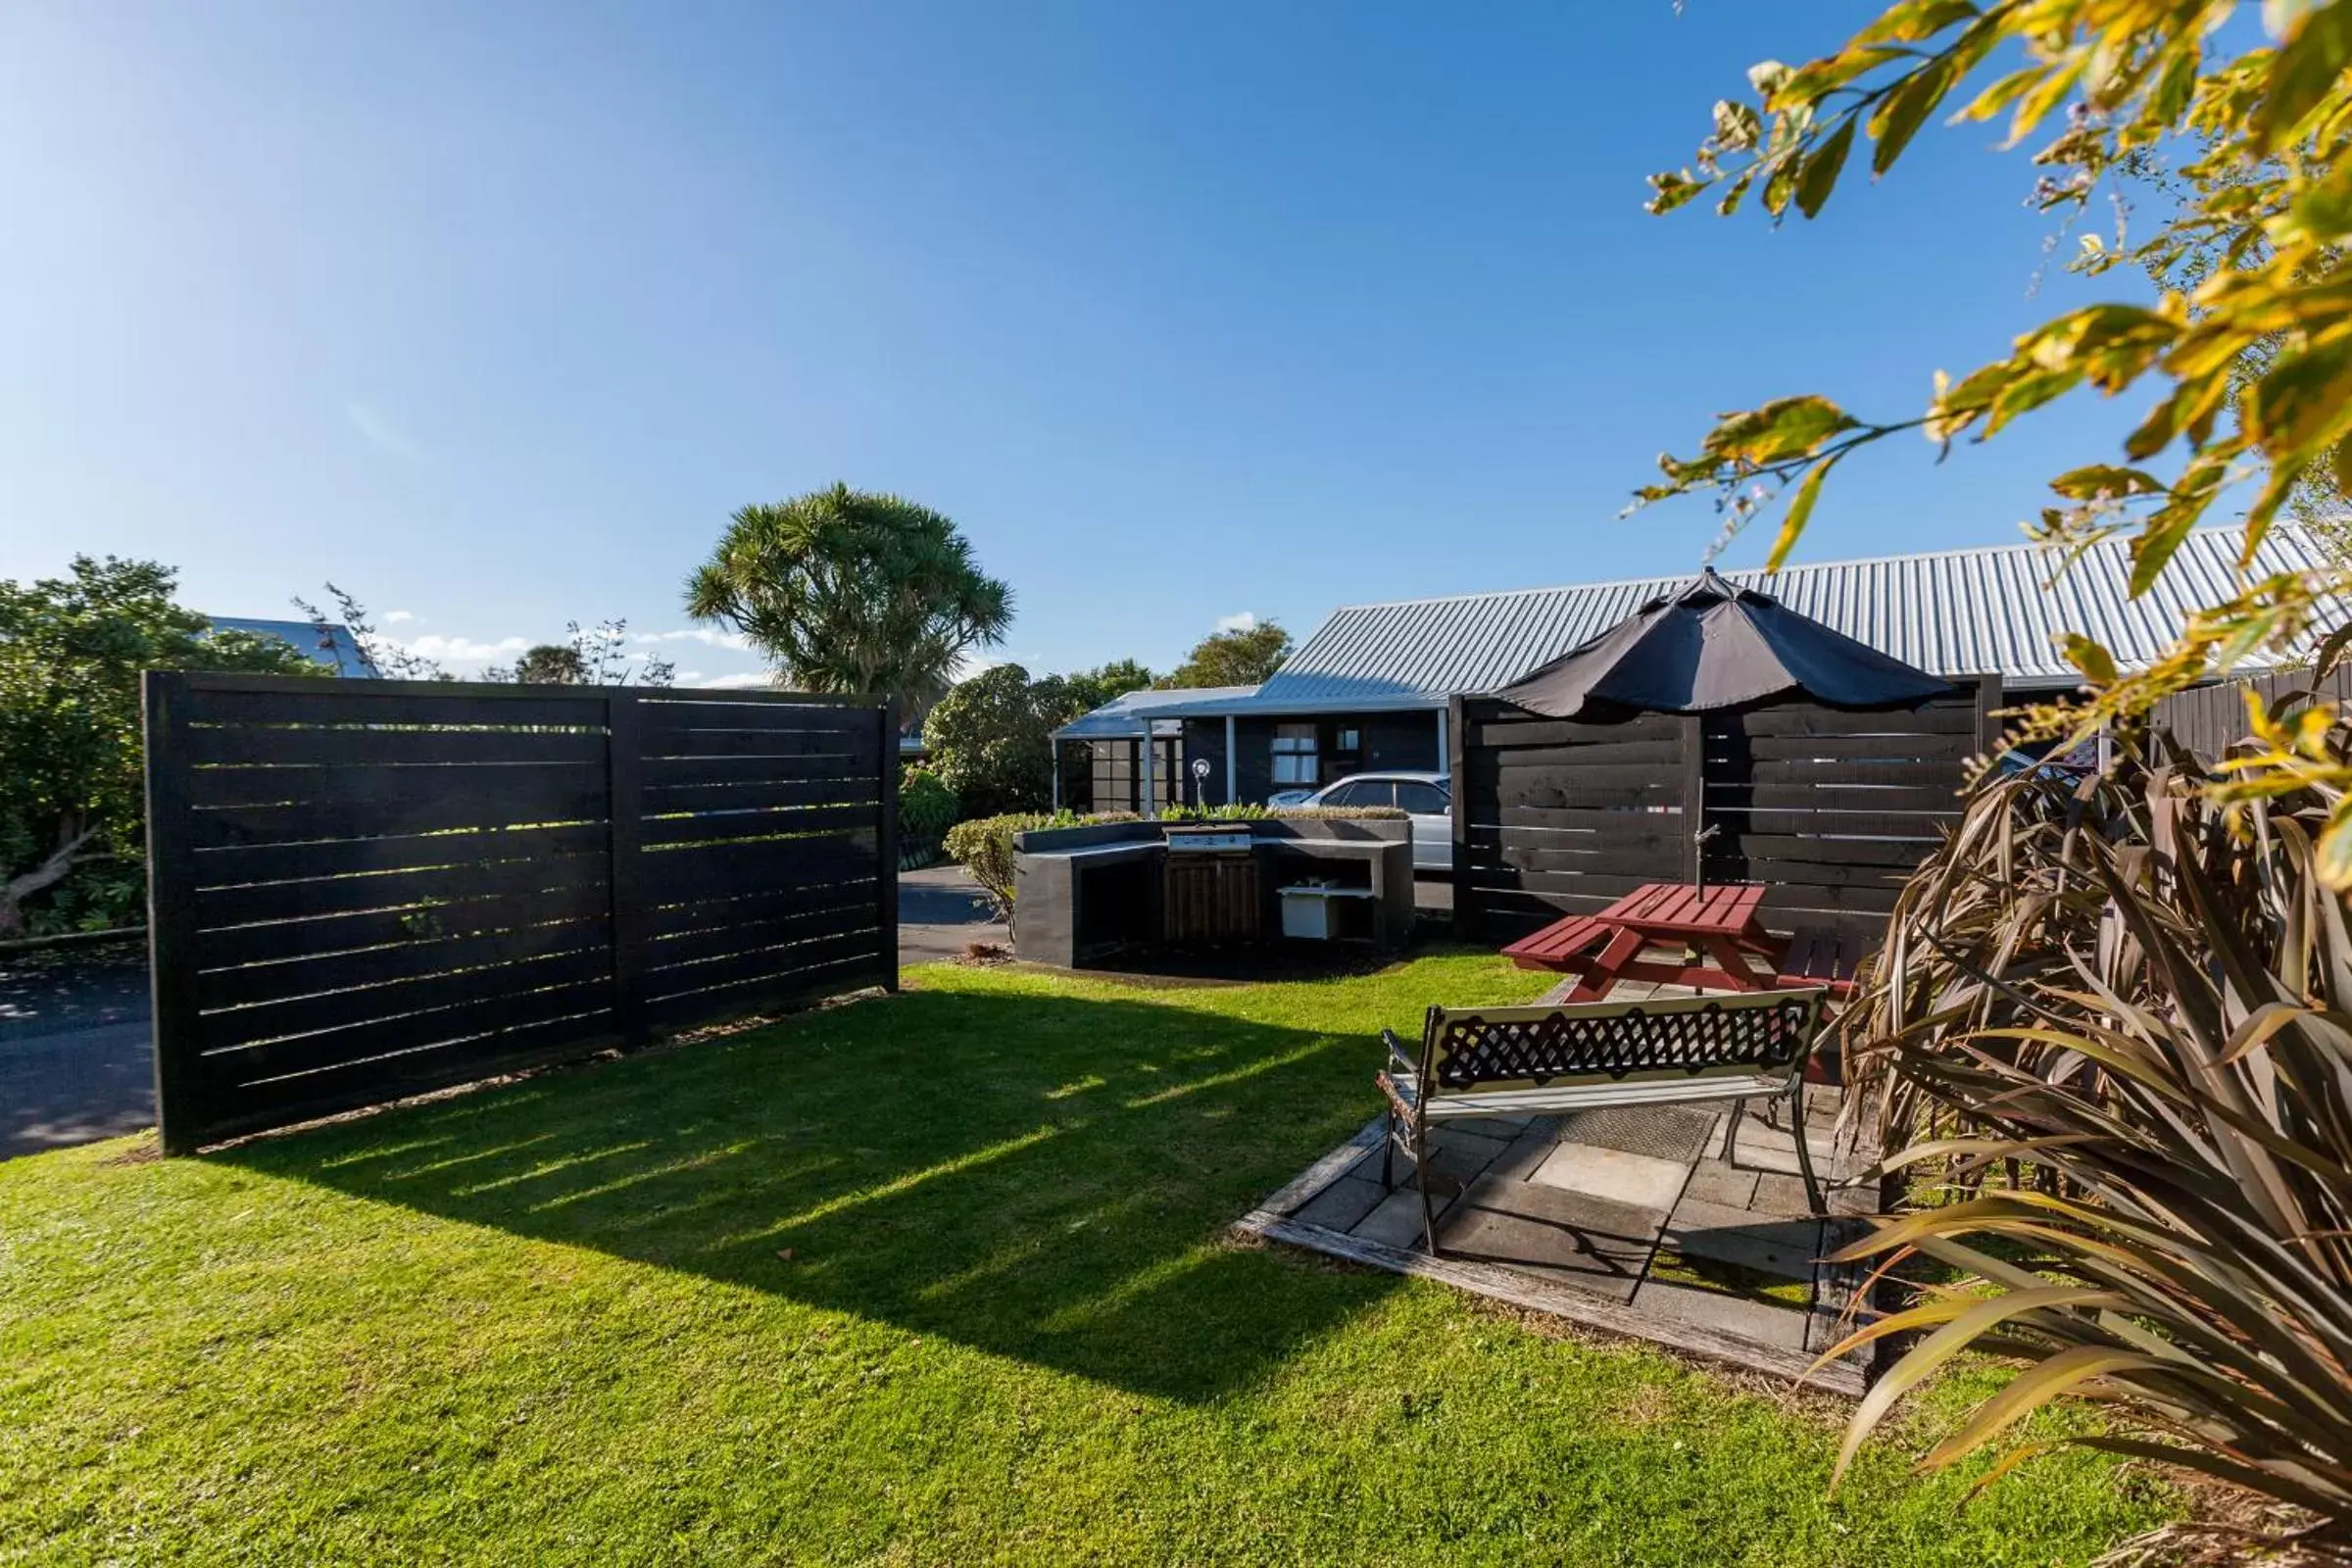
(594, 655)
(1245, 656)
(2249, 356)
(72, 649)
(1089, 689)
(852, 592)
(990, 738)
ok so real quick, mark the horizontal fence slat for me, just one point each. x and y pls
(345, 702)
(667, 774)
(721, 870)
(1774, 849)
(425, 994)
(341, 820)
(744, 936)
(858, 746)
(314, 746)
(414, 852)
(356, 789)
(1944, 716)
(302, 977)
(748, 827)
(1939, 775)
(777, 958)
(703, 913)
(1955, 749)
(369, 1038)
(784, 988)
(255, 1106)
(464, 917)
(764, 792)
(1832, 796)
(416, 891)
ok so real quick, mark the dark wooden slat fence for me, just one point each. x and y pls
(1831, 810)
(360, 889)
(2210, 720)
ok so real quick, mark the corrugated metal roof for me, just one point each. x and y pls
(330, 645)
(1953, 613)
(1124, 717)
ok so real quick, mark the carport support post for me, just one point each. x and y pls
(1231, 793)
(1054, 751)
(1151, 786)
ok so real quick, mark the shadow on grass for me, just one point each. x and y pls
(1043, 1177)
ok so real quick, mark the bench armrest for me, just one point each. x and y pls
(1399, 1052)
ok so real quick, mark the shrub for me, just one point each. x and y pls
(1244, 811)
(983, 845)
(927, 808)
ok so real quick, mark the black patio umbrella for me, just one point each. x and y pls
(1710, 645)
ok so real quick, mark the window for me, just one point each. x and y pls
(1295, 754)
(1349, 740)
(1422, 799)
(1360, 792)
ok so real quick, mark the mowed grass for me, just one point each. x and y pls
(940, 1278)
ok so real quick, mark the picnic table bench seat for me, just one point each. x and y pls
(1541, 1060)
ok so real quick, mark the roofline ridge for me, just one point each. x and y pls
(2022, 546)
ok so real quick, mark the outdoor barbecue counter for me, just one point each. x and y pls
(1082, 894)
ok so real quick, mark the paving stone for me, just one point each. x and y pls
(1714, 1182)
(1458, 1139)
(1771, 1245)
(1505, 1128)
(1613, 1174)
(1573, 1238)
(1395, 1221)
(1759, 1321)
(1343, 1204)
(1779, 1194)
(1773, 1149)
(1524, 1153)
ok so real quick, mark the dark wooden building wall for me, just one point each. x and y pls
(1831, 810)
(360, 890)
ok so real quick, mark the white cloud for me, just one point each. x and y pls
(691, 677)
(381, 430)
(1240, 621)
(728, 683)
(393, 617)
(466, 650)
(697, 634)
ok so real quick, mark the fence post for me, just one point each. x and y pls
(887, 830)
(1692, 731)
(624, 806)
(171, 919)
(1466, 903)
(1988, 697)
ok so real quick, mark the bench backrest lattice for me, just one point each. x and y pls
(1489, 1050)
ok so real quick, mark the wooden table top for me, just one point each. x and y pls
(1678, 908)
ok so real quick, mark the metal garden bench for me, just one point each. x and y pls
(1526, 1062)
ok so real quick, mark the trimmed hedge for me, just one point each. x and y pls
(983, 845)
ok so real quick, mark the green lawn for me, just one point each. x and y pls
(940, 1278)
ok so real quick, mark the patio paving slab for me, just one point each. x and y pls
(1613, 1174)
(1573, 1237)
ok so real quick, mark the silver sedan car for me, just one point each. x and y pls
(1426, 798)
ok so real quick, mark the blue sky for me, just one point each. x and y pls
(1185, 312)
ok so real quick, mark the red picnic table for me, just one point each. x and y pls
(1720, 924)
